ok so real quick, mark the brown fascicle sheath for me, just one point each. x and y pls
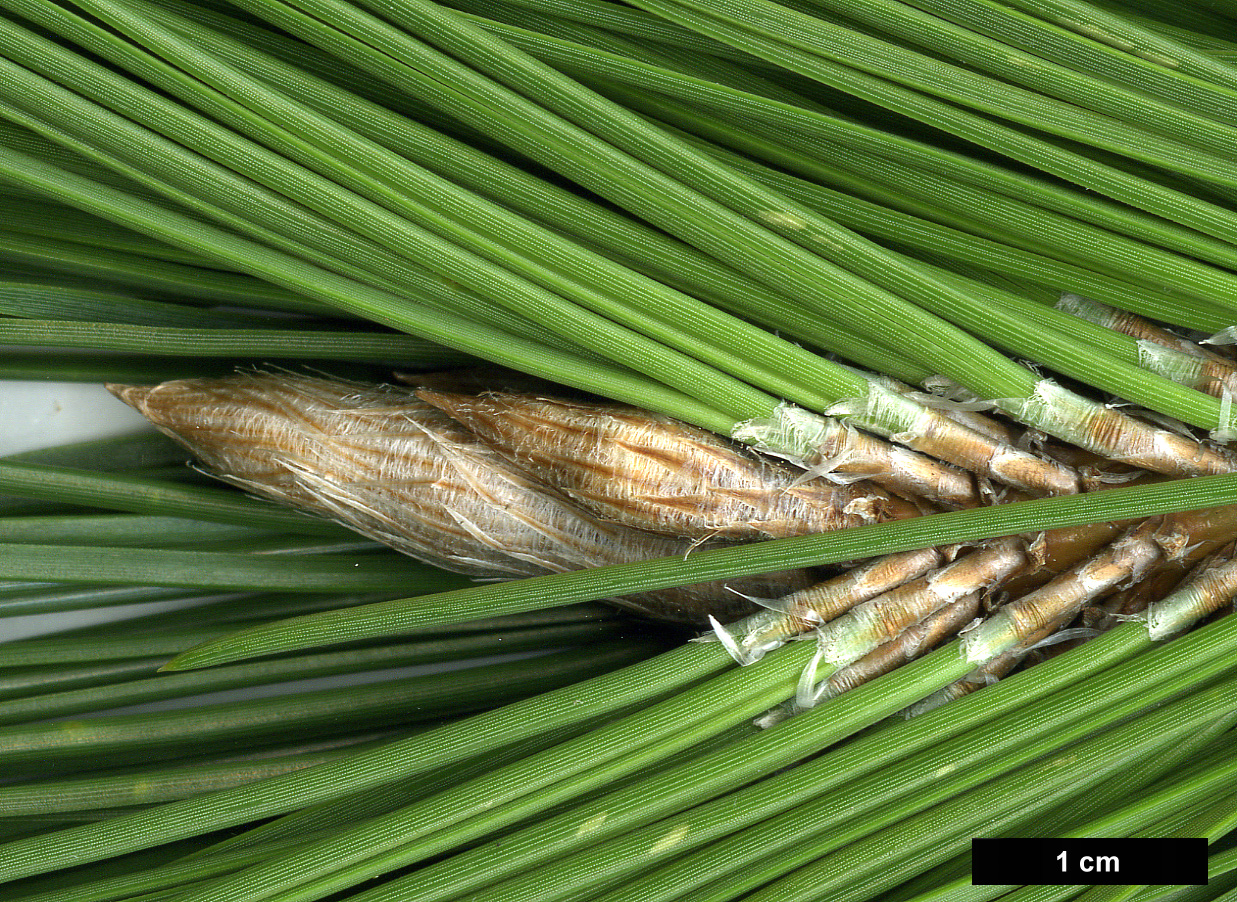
(905, 647)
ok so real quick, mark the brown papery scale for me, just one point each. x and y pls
(400, 471)
(654, 473)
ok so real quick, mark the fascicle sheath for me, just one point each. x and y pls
(818, 604)
(1188, 532)
(823, 445)
(1184, 539)
(994, 669)
(956, 403)
(398, 470)
(1109, 433)
(853, 635)
(907, 646)
(1127, 323)
(894, 415)
(1128, 558)
(655, 473)
(1056, 550)
(1207, 591)
(1163, 580)
(1171, 364)
(1159, 350)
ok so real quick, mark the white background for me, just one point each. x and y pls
(42, 414)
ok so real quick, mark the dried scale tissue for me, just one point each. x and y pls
(401, 471)
(658, 474)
